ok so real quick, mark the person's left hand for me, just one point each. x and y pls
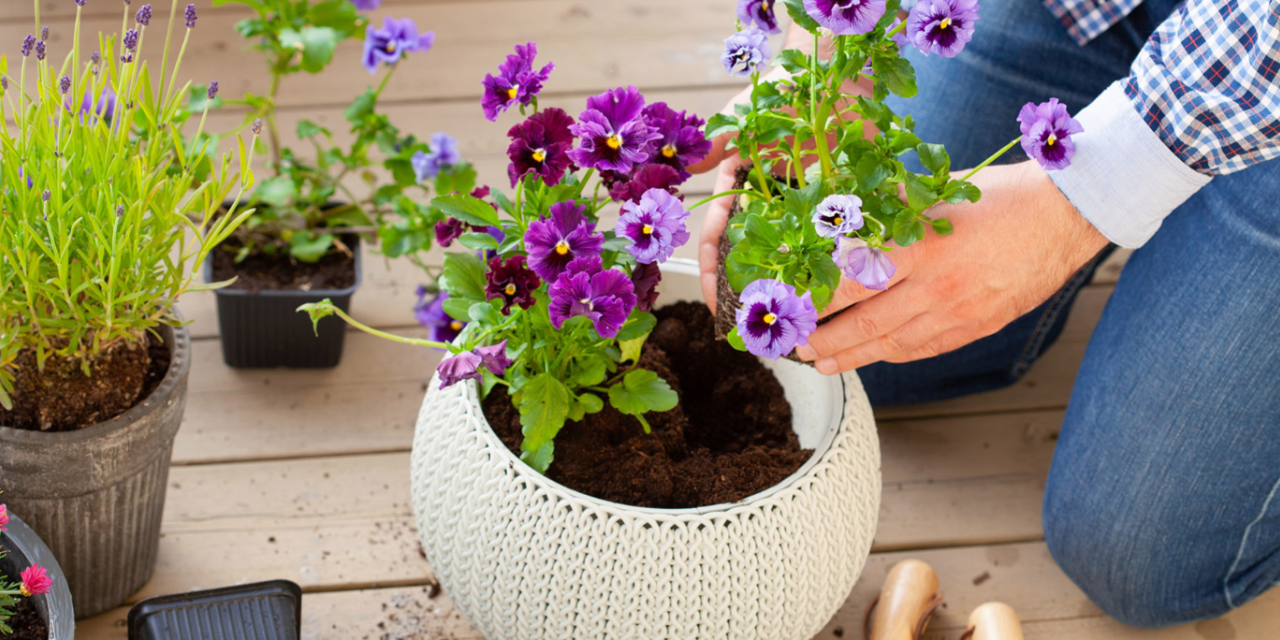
(1009, 252)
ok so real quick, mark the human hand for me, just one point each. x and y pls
(1009, 253)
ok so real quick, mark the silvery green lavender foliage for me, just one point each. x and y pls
(547, 304)
(105, 211)
(800, 230)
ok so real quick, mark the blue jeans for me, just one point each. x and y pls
(1163, 501)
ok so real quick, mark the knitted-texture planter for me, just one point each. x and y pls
(525, 557)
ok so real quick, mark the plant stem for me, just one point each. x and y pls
(754, 147)
(168, 35)
(993, 158)
(819, 117)
(387, 336)
(722, 194)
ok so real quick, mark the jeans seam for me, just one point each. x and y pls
(1244, 541)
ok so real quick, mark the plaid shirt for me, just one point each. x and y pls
(1205, 82)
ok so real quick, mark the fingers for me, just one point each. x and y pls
(713, 227)
(904, 343)
(873, 318)
(849, 293)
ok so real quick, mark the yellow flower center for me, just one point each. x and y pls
(539, 155)
(391, 47)
(510, 289)
(455, 325)
(647, 229)
(837, 221)
(614, 141)
(1052, 139)
(769, 318)
(764, 6)
(562, 247)
(511, 93)
(669, 151)
(946, 22)
(23, 590)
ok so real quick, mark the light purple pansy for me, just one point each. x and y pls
(655, 226)
(942, 26)
(773, 320)
(391, 42)
(838, 215)
(1046, 133)
(746, 52)
(761, 13)
(444, 152)
(859, 261)
(846, 17)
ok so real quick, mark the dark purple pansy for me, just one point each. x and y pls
(655, 226)
(448, 230)
(846, 17)
(651, 176)
(761, 13)
(682, 142)
(512, 282)
(837, 215)
(645, 279)
(494, 358)
(942, 26)
(516, 81)
(464, 366)
(431, 314)
(1046, 133)
(393, 40)
(605, 297)
(746, 52)
(444, 152)
(554, 242)
(541, 145)
(773, 320)
(869, 266)
(612, 135)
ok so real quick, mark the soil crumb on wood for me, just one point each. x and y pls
(26, 622)
(62, 398)
(730, 437)
(260, 272)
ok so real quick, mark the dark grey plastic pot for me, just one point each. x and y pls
(22, 548)
(96, 496)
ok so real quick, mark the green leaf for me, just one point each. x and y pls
(541, 459)
(896, 74)
(638, 326)
(463, 278)
(339, 15)
(793, 60)
(761, 232)
(800, 16)
(307, 249)
(459, 177)
(479, 241)
(958, 191)
(468, 209)
(484, 313)
(722, 123)
(631, 349)
(591, 403)
(824, 270)
(934, 158)
(277, 192)
(544, 406)
(942, 226)
(870, 172)
(642, 391)
(590, 371)
(735, 340)
(307, 128)
(361, 108)
(919, 196)
(907, 230)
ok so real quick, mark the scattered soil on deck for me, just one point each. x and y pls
(26, 621)
(730, 437)
(260, 272)
(62, 398)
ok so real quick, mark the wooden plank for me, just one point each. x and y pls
(56, 11)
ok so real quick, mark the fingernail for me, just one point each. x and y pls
(827, 366)
(806, 352)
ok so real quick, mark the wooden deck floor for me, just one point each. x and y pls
(304, 474)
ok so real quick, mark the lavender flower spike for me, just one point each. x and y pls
(861, 262)
(44, 32)
(773, 320)
(213, 90)
(746, 52)
(1046, 133)
(942, 26)
(27, 44)
(606, 297)
(761, 12)
(838, 215)
(143, 17)
(64, 84)
(40, 50)
(655, 225)
(846, 17)
(190, 16)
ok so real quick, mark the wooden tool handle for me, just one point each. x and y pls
(909, 594)
(995, 621)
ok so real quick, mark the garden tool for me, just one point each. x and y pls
(905, 602)
(993, 621)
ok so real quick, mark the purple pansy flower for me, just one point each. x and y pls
(655, 225)
(554, 242)
(869, 266)
(393, 40)
(448, 230)
(541, 145)
(760, 12)
(746, 52)
(1046, 133)
(837, 215)
(652, 176)
(645, 279)
(682, 141)
(516, 81)
(846, 17)
(512, 282)
(612, 135)
(367, 5)
(431, 314)
(444, 152)
(464, 366)
(604, 297)
(773, 320)
(494, 358)
(105, 107)
(942, 26)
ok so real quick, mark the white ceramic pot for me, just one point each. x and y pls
(524, 557)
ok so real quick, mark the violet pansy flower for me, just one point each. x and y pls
(645, 279)
(612, 135)
(682, 140)
(444, 152)
(464, 366)
(655, 226)
(746, 52)
(838, 215)
(605, 297)
(773, 320)
(448, 230)
(846, 17)
(512, 282)
(494, 358)
(652, 176)
(761, 13)
(431, 314)
(1046, 133)
(554, 242)
(859, 261)
(367, 5)
(392, 41)
(516, 81)
(942, 26)
(541, 145)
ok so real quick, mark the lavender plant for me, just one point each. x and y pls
(307, 204)
(550, 306)
(823, 199)
(104, 209)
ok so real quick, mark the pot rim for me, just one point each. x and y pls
(207, 269)
(682, 266)
(179, 364)
(28, 546)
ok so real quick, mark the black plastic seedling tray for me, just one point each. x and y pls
(262, 611)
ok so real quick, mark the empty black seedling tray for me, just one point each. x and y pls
(262, 611)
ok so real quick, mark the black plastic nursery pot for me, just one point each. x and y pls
(263, 329)
(21, 548)
(261, 611)
(96, 495)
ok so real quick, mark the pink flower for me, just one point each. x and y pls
(35, 581)
(4, 516)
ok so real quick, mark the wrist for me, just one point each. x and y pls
(1078, 240)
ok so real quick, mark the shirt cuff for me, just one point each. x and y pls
(1123, 179)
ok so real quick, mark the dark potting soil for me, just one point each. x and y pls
(262, 272)
(26, 621)
(729, 437)
(62, 398)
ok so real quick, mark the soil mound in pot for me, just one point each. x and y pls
(260, 272)
(729, 437)
(62, 398)
(26, 621)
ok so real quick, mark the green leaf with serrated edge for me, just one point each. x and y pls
(631, 349)
(590, 371)
(544, 406)
(958, 191)
(907, 230)
(722, 123)
(735, 340)
(463, 277)
(541, 459)
(942, 226)
(824, 270)
(468, 209)
(642, 391)
(307, 249)
(479, 241)
(919, 196)
(800, 16)
(591, 403)
(793, 60)
(934, 158)
(484, 313)
(640, 324)
(761, 232)
(895, 74)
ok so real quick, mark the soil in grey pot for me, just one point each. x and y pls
(95, 495)
(21, 548)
